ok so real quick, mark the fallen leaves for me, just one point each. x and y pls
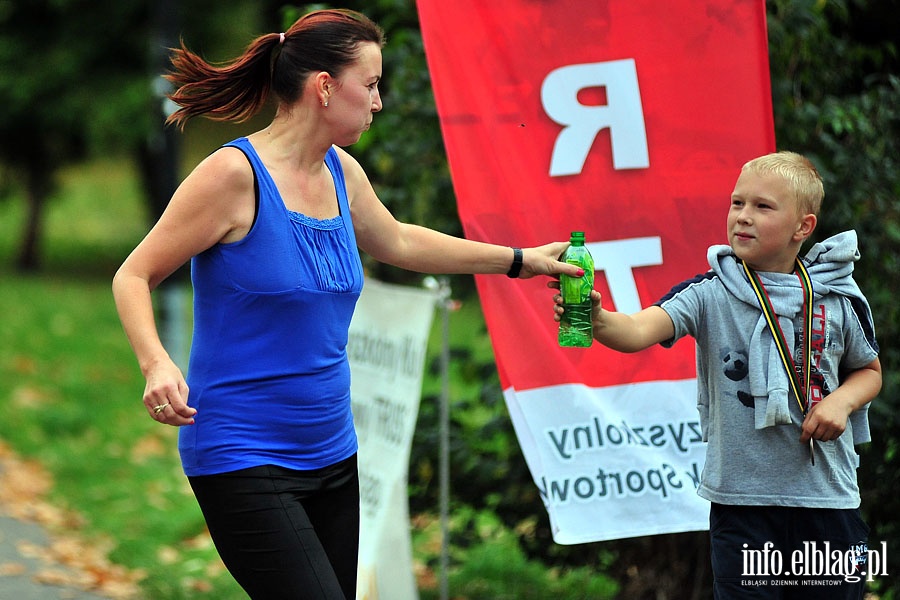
(67, 559)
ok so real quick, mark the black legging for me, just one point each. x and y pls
(285, 534)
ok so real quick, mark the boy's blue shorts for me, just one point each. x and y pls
(787, 553)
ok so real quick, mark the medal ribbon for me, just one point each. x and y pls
(778, 335)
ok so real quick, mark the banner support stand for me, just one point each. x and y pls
(442, 287)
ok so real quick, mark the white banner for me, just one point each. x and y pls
(388, 338)
(614, 462)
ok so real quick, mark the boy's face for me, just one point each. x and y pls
(765, 227)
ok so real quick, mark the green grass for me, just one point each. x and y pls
(71, 389)
(495, 568)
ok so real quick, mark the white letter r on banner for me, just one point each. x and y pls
(623, 114)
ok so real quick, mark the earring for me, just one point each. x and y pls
(325, 104)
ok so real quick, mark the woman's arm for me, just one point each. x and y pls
(425, 250)
(215, 203)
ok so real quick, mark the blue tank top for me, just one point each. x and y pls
(268, 371)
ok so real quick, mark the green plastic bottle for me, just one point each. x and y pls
(575, 324)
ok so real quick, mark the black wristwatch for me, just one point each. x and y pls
(516, 266)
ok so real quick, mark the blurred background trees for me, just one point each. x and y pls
(79, 79)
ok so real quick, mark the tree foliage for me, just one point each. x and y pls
(63, 72)
(77, 79)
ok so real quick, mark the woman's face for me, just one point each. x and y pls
(355, 98)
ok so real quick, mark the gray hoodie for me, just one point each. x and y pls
(748, 415)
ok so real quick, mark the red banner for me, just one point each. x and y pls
(628, 120)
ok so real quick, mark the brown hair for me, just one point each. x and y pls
(800, 174)
(324, 40)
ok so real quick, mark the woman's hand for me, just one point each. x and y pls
(166, 394)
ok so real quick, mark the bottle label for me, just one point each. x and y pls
(576, 290)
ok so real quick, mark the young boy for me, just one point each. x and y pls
(780, 468)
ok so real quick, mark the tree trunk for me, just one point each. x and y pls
(38, 186)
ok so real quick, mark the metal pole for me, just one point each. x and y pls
(442, 287)
(162, 157)
(445, 437)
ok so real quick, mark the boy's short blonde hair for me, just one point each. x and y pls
(800, 174)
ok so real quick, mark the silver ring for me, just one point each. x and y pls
(160, 408)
